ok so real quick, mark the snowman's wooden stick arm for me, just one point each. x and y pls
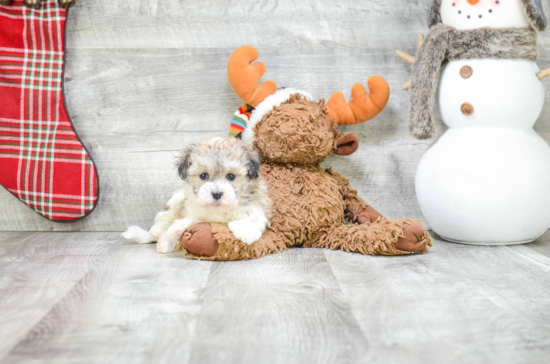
(420, 40)
(542, 75)
(409, 59)
(405, 56)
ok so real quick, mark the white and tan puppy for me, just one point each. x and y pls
(221, 184)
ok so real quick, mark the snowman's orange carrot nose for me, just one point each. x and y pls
(473, 2)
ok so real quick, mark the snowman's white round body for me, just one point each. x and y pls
(486, 180)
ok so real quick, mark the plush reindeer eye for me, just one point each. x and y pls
(204, 176)
(230, 177)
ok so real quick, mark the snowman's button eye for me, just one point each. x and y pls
(490, 10)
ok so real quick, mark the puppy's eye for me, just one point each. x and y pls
(204, 176)
(230, 177)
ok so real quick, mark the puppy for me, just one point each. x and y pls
(221, 184)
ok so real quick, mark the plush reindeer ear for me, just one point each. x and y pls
(346, 144)
(253, 164)
(185, 161)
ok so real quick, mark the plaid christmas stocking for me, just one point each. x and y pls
(42, 161)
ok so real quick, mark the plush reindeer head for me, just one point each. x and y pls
(288, 125)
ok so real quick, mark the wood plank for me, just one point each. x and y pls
(9, 239)
(90, 297)
(455, 304)
(36, 271)
(540, 246)
(135, 306)
(135, 148)
(145, 78)
(284, 308)
(220, 23)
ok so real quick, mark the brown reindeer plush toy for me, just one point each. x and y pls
(294, 134)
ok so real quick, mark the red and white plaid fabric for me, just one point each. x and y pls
(42, 161)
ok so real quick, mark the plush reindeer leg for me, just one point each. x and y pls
(213, 241)
(411, 235)
(384, 237)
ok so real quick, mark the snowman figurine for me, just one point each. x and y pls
(486, 180)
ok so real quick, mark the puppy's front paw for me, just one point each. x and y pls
(171, 238)
(245, 231)
(166, 245)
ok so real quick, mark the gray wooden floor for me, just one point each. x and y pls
(93, 298)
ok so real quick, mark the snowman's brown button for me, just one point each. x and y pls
(466, 71)
(467, 109)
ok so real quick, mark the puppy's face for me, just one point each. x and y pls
(219, 171)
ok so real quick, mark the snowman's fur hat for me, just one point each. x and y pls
(533, 10)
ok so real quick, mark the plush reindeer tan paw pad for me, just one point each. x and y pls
(199, 240)
(369, 215)
(416, 238)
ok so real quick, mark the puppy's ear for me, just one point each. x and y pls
(253, 164)
(185, 161)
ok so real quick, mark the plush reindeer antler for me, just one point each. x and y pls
(362, 106)
(244, 76)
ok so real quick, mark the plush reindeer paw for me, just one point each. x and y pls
(199, 240)
(369, 215)
(166, 245)
(416, 238)
(35, 4)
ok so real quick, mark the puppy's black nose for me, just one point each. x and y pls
(217, 195)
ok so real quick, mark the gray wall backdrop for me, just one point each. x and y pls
(146, 77)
